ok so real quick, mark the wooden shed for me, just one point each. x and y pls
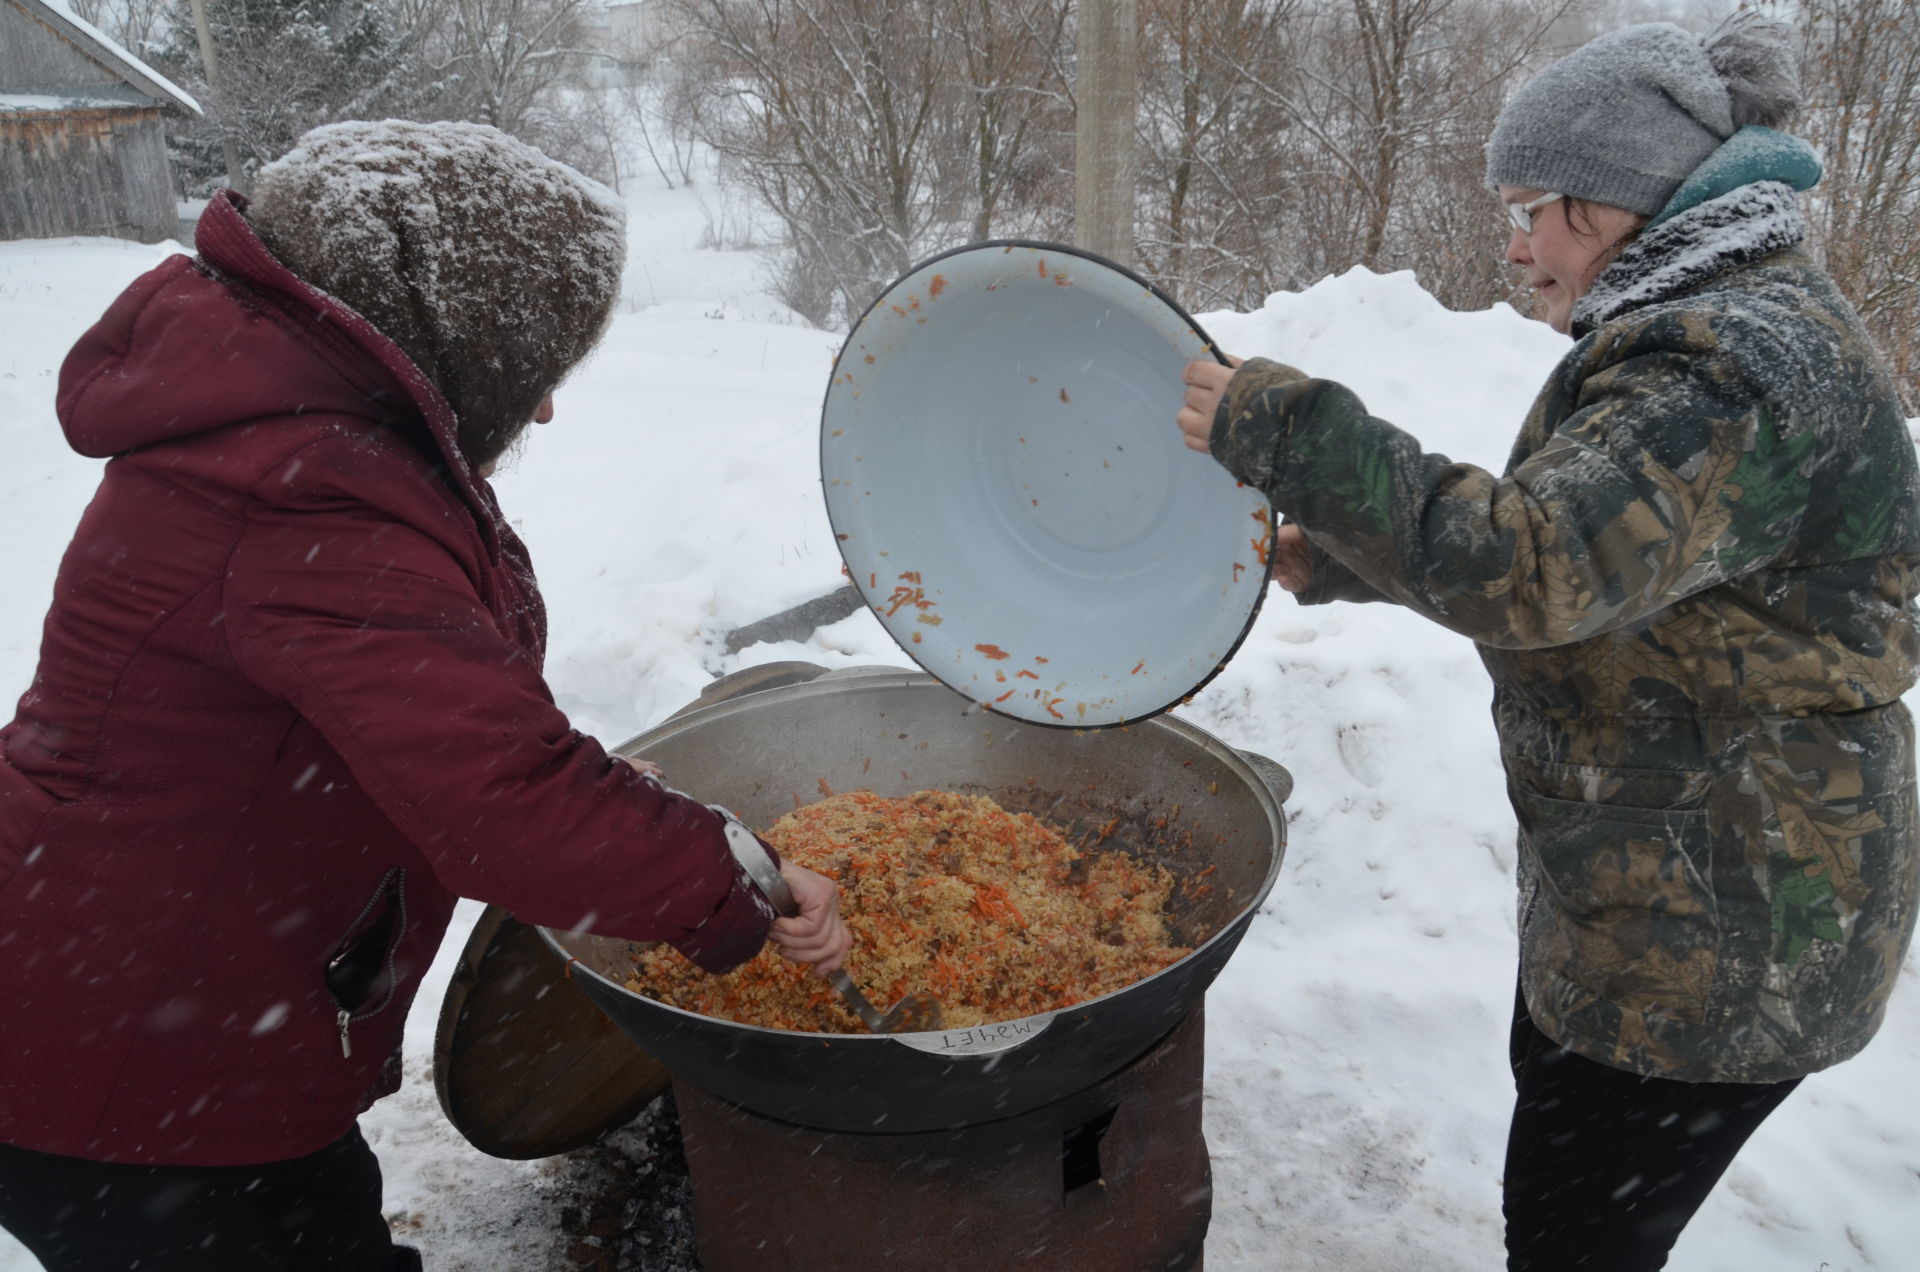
(82, 130)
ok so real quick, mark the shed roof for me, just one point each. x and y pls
(95, 43)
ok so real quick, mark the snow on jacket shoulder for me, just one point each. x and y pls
(289, 706)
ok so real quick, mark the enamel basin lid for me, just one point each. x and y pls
(1009, 491)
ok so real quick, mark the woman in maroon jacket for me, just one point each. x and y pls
(289, 706)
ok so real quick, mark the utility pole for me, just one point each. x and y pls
(235, 177)
(1106, 92)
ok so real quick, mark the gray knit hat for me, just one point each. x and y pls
(493, 267)
(1625, 118)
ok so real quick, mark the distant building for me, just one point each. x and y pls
(629, 33)
(82, 130)
(638, 24)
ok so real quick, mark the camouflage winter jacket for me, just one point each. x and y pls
(1693, 587)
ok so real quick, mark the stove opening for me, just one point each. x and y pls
(1080, 1153)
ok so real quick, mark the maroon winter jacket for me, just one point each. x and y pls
(289, 705)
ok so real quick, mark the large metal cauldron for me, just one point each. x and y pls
(1178, 797)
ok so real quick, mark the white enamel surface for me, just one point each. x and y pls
(1009, 490)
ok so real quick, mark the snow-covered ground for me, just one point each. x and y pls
(1357, 1090)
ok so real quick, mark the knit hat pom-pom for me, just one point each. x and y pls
(1755, 57)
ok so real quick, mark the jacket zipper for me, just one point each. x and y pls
(391, 890)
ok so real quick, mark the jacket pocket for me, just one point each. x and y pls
(360, 975)
(1627, 909)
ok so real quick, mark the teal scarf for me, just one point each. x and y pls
(1752, 154)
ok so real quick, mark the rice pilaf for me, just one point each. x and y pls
(994, 912)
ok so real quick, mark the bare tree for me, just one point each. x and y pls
(1396, 95)
(657, 92)
(500, 61)
(878, 131)
(822, 108)
(1296, 138)
(1008, 134)
(1218, 187)
(1458, 73)
(135, 25)
(1861, 73)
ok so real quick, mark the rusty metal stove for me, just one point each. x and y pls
(1113, 1178)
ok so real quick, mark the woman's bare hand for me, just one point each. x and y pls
(817, 934)
(1292, 566)
(1206, 382)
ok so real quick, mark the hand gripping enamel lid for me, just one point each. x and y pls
(1011, 495)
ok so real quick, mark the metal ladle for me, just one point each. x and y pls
(918, 1012)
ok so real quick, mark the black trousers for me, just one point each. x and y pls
(318, 1213)
(1605, 1167)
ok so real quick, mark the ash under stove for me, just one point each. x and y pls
(630, 1199)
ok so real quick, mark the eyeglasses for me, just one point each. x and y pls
(1521, 214)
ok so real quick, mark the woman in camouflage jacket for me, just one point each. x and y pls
(1693, 587)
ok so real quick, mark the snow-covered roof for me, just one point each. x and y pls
(40, 103)
(91, 39)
